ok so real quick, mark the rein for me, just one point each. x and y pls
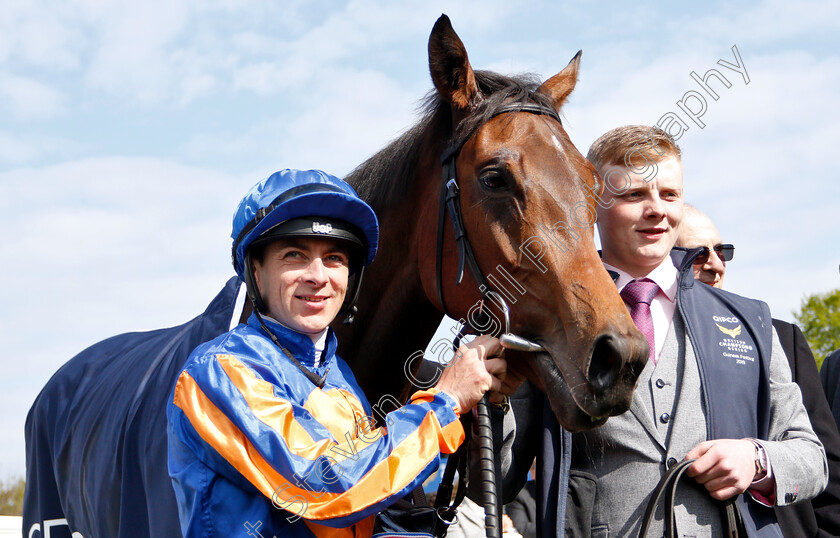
(450, 202)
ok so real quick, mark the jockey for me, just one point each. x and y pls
(269, 433)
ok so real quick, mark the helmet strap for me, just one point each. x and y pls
(251, 284)
(351, 316)
(318, 380)
(349, 308)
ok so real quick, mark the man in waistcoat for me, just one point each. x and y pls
(717, 387)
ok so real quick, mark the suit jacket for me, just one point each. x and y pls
(830, 378)
(667, 418)
(523, 511)
(821, 515)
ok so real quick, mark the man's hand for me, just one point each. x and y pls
(476, 368)
(507, 525)
(726, 467)
(509, 379)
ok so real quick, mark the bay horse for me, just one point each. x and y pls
(520, 180)
(96, 435)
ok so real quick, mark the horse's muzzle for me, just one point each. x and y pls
(605, 364)
(614, 367)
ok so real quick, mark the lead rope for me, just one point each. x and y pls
(487, 460)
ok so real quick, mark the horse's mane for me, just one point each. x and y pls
(386, 177)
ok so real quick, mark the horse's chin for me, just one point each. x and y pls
(561, 397)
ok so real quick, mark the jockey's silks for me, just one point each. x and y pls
(255, 448)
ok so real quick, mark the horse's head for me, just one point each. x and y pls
(528, 202)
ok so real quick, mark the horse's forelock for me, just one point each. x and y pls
(387, 176)
(499, 90)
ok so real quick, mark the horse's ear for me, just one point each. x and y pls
(451, 71)
(561, 85)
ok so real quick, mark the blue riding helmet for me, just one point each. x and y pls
(309, 203)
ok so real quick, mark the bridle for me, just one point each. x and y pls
(450, 202)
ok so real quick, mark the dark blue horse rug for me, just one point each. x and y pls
(96, 434)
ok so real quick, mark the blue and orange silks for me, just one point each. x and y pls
(256, 449)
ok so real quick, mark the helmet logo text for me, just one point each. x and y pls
(319, 228)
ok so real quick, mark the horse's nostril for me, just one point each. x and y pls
(605, 363)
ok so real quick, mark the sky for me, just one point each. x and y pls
(130, 130)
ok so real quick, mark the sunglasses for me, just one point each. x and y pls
(724, 251)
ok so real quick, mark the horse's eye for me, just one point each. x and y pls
(493, 180)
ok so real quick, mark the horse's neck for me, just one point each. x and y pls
(396, 318)
(394, 322)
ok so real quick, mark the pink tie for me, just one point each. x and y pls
(638, 294)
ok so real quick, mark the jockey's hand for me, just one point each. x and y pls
(509, 380)
(726, 467)
(476, 368)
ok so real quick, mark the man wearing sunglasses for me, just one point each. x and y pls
(821, 515)
(697, 230)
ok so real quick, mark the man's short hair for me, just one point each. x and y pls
(632, 145)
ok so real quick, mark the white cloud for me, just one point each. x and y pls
(335, 126)
(267, 77)
(174, 52)
(14, 151)
(35, 34)
(767, 23)
(94, 232)
(28, 99)
(24, 147)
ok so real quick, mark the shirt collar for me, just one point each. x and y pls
(665, 275)
(299, 344)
